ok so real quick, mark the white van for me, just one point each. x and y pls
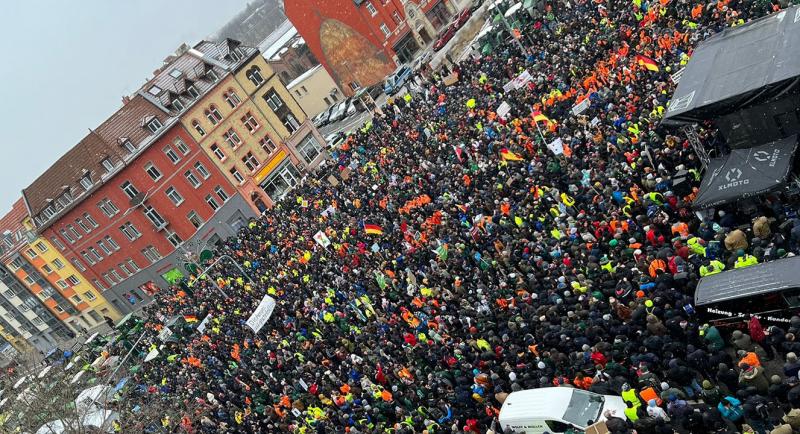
(556, 409)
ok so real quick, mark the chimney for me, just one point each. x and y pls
(125, 100)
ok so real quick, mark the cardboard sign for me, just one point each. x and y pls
(451, 79)
(581, 107)
(503, 110)
(597, 428)
(322, 239)
(261, 314)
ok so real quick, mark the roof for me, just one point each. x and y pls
(11, 225)
(547, 402)
(304, 76)
(86, 157)
(746, 173)
(276, 40)
(729, 68)
(744, 282)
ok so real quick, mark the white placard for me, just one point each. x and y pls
(165, 334)
(594, 121)
(556, 146)
(518, 81)
(581, 107)
(202, 327)
(503, 110)
(261, 314)
(322, 239)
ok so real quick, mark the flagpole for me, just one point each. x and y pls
(540, 132)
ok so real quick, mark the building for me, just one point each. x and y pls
(235, 106)
(46, 273)
(315, 90)
(126, 203)
(360, 42)
(287, 53)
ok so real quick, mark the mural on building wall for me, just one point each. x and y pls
(351, 56)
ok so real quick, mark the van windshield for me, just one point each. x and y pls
(584, 408)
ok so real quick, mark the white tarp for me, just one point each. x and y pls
(98, 395)
(261, 314)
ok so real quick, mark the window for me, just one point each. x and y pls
(174, 239)
(129, 146)
(212, 76)
(198, 128)
(202, 170)
(273, 100)
(371, 9)
(108, 279)
(56, 242)
(152, 170)
(154, 125)
(76, 298)
(192, 91)
(221, 193)
(182, 147)
(107, 207)
(177, 105)
(78, 264)
(154, 217)
(231, 138)
(355, 85)
(214, 111)
(67, 236)
(290, 122)
(107, 164)
(29, 280)
(115, 274)
(211, 117)
(170, 153)
(217, 152)
(385, 30)
(154, 90)
(61, 284)
(58, 263)
(130, 231)
(111, 242)
(73, 280)
(90, 219)
(281, 181)
(303, 88)
(174, 196)
(396, 17)
(98, 284)
(175, 73)
(88, 258)
(194, 219)
(327, 101)
(236, 175)
(124, 267)
(254, 75)
(309, 148)
(151, 254)
(212, 202)
(86, 182)
(82, 225)
(297, 92)
(250, 161)
(95, 253)
(231, 98)
(129, 189)
(192, 179)
(133, 265)
(37, 321)
(74, 232)
(41, 247)
(103, 247)
(89, 295)
(250, 123)
(46, 269)
(31, 254)
(267, 145)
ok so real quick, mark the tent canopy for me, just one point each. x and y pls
(746, 173)
(738, 66)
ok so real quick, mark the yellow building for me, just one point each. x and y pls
(240, 113)
(315, 90)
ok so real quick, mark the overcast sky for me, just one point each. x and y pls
(66, 65)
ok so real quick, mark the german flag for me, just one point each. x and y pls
(539, 117)
(647, 62)
(190, 318)
(507, 155)
(373, 229)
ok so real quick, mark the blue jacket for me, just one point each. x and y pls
(734, 412)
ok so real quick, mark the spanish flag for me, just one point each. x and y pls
(507, 155)
(539, 117)
(190, 318)
(373, 229)
(647, 62)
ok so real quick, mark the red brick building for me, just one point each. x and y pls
(361, 41)
(120, 202)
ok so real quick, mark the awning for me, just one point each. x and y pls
(746, 173)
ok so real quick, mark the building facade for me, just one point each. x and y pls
(360, 42)
(135, 191)
(46, 273)
(315, 90)
(235, 106)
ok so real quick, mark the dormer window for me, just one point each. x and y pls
(154, 125)
(107, 164)
(192, 91)
(178, 105)
(212, 76)
(86, 182)
(128, 145)
(234, 55)
(154, 90)
(175, 73)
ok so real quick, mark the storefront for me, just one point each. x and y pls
(406, 47)
(282, 180)
(439, 16)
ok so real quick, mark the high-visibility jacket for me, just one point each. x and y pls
(630, 396)
(631, 413)
(745, 261)
(713, 268)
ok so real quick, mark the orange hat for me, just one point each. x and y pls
(640, 294)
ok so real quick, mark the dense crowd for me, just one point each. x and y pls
(492, 265)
